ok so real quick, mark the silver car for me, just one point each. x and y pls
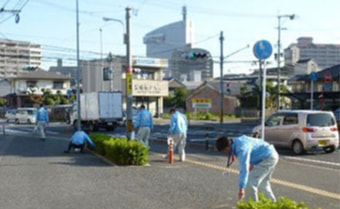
(26, 115)
(301, 130)
(10, 115)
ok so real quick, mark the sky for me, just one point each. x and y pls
(243, 22)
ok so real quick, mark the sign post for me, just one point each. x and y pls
(263, 50)
(314, 77)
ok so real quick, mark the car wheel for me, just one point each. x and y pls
(329, 149)
(92, 127)
(17, 121)
(256, 135)
(29, 121)
(297, 147)
(7, 121)
(111, 128)
(75, 125)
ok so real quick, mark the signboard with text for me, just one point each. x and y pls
(129, 83)
(201, 103)
(150, 88)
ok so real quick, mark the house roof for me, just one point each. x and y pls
(41, 74)
(334, 71)
(214, 84)
(304, 60)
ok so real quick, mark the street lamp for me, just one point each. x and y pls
(109, 58)
(106, 19)
(291, 17)
(129, 97)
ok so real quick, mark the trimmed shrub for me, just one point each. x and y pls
(120, 151)
(99, 140)
(126, 152)
(265, 203)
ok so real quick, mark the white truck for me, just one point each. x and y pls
(98, 109)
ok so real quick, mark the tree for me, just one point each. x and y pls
(178, 99)
(2, 102)
(253, 98)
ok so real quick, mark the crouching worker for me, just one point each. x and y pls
(78, 140)
(257, 161)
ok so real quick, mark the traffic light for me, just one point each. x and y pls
(28, 68)
(196, 55)
(228, 88)
(107, 74)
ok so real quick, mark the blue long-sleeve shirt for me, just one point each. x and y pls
(80, 137)
(178, 123)
(250, 151)
(144, 119)
(42, 115)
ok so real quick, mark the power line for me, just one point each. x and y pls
(14, 12)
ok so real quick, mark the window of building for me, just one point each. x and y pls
(58, 84)
(31, 84)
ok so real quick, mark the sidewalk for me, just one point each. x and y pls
(37, 174)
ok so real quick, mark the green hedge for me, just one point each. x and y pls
(120, 151)
(265, 203)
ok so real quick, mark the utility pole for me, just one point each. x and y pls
(101, 59)
(221, 78)
(278, 63)
(129, 97)
(222, 74)
(78, 68)
(291, 17)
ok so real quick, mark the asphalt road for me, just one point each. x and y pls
(37, 174)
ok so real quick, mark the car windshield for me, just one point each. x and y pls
(31, 112)
(320, 119)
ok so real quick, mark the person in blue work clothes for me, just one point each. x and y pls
(78, 140)
(42, 120)
(178, 131)
(257, 162)
(144, 123)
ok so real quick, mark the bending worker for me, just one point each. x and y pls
(78, 141)
(257, 161)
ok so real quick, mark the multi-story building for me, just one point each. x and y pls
(18, 55)
(148, 86)
(325, 55)
(174, 42)
(163, 41)
(70, 71)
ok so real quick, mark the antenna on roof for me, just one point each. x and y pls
(184, 12)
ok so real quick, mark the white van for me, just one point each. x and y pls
(301, 130)
(26, 115)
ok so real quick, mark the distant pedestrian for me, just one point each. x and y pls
(42, 121)
(78, 140)
(144, 123)
(257, 161)
(178, 131)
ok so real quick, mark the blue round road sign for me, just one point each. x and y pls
(314, 76)
(262, 49)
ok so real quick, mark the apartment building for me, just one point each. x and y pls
(18, 55)
(325, 55)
